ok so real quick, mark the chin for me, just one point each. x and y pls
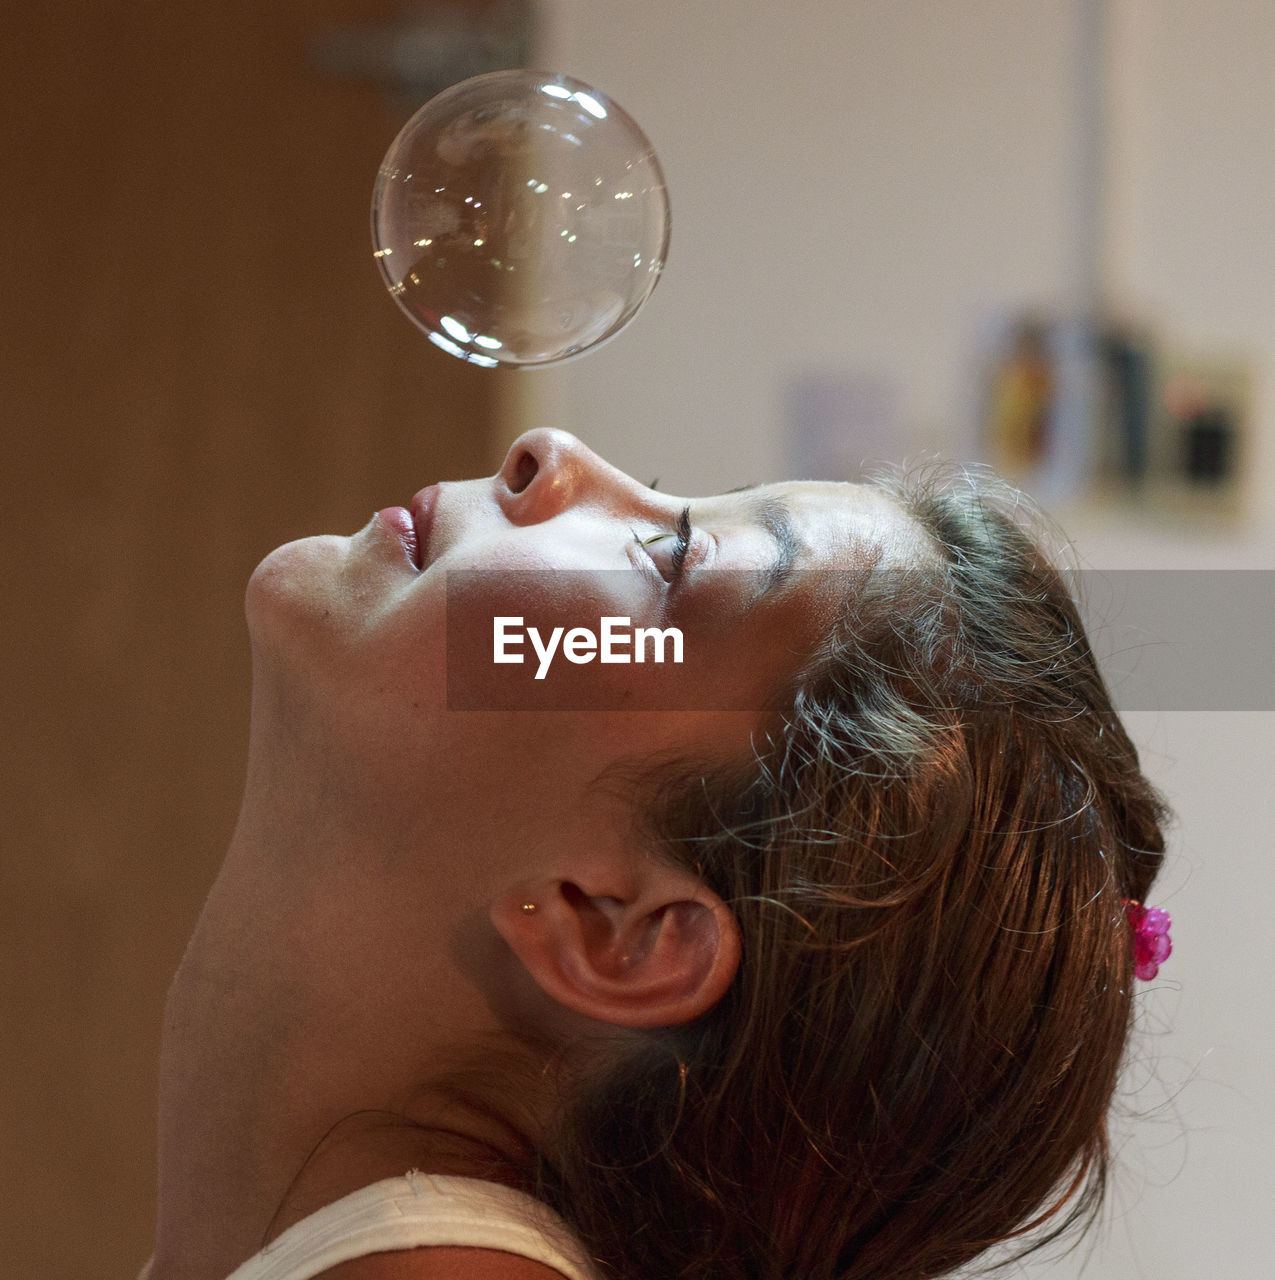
(293, 588)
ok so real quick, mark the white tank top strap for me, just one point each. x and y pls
(417, 1210)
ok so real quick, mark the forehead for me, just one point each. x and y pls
(836, 523)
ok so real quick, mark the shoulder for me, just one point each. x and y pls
(441, 1263)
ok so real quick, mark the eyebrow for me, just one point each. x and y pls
(776, 518)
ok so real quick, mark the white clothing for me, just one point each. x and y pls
(420, 1209)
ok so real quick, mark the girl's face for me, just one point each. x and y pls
(389, 635)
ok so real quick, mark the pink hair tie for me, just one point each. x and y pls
(1151, 941)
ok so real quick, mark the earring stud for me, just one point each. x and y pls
(529, 908)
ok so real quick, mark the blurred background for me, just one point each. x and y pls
(1034, 234)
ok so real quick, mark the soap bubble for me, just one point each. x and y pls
(520, 218)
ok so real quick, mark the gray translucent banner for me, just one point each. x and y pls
(1166, 640)
(1182, 639)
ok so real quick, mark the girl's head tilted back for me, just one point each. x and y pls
(832, 982)
(928, 860)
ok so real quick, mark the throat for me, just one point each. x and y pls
(283, 1089)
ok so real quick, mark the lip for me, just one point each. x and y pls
(422, 517)
(398, 520)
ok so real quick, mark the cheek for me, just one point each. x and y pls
(535, 641)
(747, 666)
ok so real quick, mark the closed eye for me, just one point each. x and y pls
(670, 565)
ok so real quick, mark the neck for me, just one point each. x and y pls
(288, 1039)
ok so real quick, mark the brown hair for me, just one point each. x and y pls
(927, 861)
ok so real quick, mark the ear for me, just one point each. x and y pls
(660, 950)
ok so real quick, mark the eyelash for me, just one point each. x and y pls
(682, 531)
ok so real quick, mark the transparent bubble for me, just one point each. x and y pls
(520, 218)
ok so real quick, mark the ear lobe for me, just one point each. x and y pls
(661, 959)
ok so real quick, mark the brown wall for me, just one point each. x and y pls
(197, 362)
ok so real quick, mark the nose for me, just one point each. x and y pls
(546, 471)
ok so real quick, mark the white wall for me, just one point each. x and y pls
(1191, 206)
(853, 186)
